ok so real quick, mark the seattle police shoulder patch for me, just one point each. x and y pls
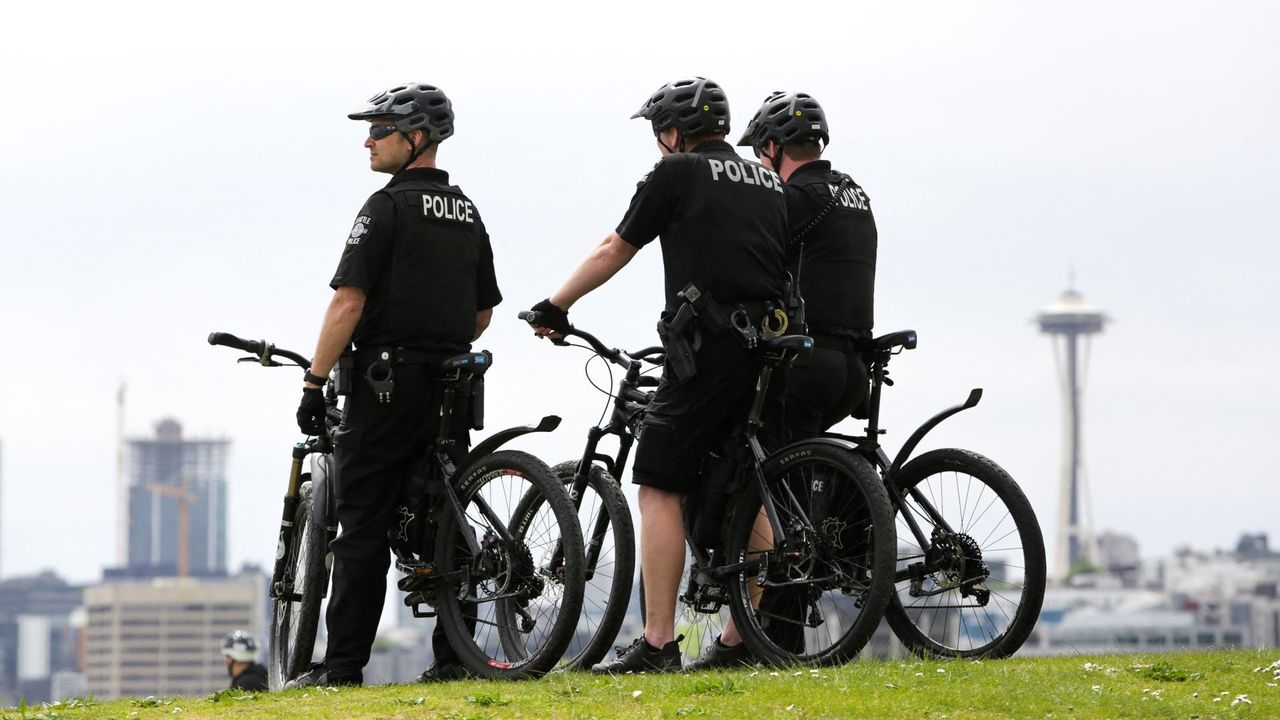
(360, 229)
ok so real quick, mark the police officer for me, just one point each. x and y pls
(241, 653)
(831, 251)
(721, 222)
(414, 286)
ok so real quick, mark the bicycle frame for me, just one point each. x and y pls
(869, 447)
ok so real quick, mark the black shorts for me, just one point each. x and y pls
(687, 419)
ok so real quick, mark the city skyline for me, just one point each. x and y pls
(999, 145)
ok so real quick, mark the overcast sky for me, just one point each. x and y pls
(165, 174)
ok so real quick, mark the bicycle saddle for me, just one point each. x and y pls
(474, 362)
(799, 344)
(905, 338)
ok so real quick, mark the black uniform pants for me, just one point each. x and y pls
(824, 387)
(376, 446)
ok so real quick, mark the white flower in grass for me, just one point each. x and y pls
(636, 693)
(1241, 699)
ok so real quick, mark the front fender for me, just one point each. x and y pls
(502, 437)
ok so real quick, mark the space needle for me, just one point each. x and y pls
(1071, 322)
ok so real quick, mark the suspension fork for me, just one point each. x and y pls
(291, 500)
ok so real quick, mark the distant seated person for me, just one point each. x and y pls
(241, 652)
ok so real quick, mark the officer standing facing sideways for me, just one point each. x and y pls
(415, 285)
(721, 221)
(241, 653)
(831, 249)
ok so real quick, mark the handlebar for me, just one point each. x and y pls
(261, 349)
(613, 355)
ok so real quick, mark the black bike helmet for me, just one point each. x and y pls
(786, 118)
(694, 106)
(414, 107)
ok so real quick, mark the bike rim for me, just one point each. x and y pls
(947, 607)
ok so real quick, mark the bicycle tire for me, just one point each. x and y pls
(827, 593)
(294, 620)
(980, 633)
(504, 578)
(608, 585)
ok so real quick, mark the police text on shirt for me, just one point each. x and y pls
(447, 208)
(745, 173)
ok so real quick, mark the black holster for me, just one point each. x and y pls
(345, 374)
(681, 333)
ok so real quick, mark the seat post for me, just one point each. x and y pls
(878, 361)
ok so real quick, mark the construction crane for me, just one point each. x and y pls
(184, 497)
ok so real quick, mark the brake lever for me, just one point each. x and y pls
(258, 361)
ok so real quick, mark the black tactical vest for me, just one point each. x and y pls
(426, 294)
(838, 276)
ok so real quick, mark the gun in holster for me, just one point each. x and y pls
(344, 375)
(682, 334)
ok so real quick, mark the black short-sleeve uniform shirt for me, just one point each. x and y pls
(420, 252)
(838, 276)
(721, 220)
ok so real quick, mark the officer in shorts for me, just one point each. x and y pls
(831, 249)
(415, 285)
(721, 222)
(831, 252)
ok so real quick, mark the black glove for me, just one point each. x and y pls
(311, 411)
(552, 317)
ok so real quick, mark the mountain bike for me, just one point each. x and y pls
(595, 486)
(970, 575)
(476, 571)
(808, 520)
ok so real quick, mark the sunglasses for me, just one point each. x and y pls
(377, 132)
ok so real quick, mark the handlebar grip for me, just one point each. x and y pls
(647, 381)
(636, 396)
(231, 341)
(533, 317)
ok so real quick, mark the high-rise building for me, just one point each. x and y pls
(1071, 322)
(163, 636)
(38, 638)
(177, 501)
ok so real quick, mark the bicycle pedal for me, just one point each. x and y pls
(415, 567)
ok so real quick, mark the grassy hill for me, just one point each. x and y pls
(1227, 684)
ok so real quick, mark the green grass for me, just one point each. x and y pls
(1227, 684)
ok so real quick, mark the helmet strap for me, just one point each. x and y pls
(414, 151)
(775, 161)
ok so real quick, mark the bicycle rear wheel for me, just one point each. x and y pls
(295, 609)
(826, 584)
(976, 590)
(509, 610)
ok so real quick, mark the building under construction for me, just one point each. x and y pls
(176, 497)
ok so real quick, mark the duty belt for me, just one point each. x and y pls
(379, 361)
(699, 312)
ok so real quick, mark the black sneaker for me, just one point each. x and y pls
(640, 656)
(318, 676)
(445, 670)
(719, 656)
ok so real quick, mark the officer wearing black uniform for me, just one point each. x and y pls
(831, 250)
(240, 651)
(415, 285)
(721, 221)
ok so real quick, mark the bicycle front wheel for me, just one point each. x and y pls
(971, 584)
(815, 596)
(610, 547)
(510, 606)
(295, 607)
